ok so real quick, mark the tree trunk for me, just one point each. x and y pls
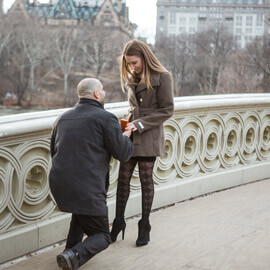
(65, 89)
(31, 83)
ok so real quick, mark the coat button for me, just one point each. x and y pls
(141, 99)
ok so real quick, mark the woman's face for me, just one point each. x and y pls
(135, 63)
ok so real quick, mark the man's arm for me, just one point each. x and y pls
(52, 142)
(53, 134)
(117, 143)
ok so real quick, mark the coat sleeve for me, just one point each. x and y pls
(119, 146)
(53, 134)
(164, 93)
(52, 143)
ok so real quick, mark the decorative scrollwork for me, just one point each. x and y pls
(25, 195)
(196, 144)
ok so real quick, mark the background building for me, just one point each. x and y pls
(90, 3)
(1, 7)
(245, 19)
(108, 13)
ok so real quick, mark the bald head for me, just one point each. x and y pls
(91, 88)
(87, 87)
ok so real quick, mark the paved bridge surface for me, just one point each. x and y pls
(227, 230)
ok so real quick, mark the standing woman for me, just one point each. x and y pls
(150, 96)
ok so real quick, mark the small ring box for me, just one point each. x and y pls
(124, 123)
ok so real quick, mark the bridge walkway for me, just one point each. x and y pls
(227, 230)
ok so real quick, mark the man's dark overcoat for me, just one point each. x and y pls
(82, 143)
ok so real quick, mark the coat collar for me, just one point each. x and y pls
(154, 80)
(90, 102)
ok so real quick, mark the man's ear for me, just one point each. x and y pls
(96, 94)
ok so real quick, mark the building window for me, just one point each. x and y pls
(182, 30)
(192, 30)
(239, 18)
(248, 38)
(182, 20)
(202, 16)
(238, 30)
(249, 20)
(172, 30)
(192, 21)
(259, 20)
(259, 32)
(161, 17)
(172, 17)
(238, 37)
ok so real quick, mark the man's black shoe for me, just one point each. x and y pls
(68, 260)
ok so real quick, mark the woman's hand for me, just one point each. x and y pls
(127, 133)
(130, 127)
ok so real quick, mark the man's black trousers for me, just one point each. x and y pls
(98, 236)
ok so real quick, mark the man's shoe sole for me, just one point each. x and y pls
(63, 262)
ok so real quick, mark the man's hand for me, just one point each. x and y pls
(127, 133)
(130, 127)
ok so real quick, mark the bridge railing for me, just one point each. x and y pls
(212, 143)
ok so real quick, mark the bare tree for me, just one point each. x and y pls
(176, 54)
(65, 47)
(15, 65)
(237, 77)
(5, 34)
(5, 41)
(33, 43)
(257, 58)
(17, 70)
(214, 47)
(100, 50)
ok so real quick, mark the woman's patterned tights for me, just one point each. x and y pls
(147, 186)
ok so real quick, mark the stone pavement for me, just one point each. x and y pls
(228, 230)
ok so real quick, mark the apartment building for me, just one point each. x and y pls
(245, 19)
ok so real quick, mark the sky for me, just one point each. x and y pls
(141, 12)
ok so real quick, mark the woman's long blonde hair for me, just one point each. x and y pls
(149, 63)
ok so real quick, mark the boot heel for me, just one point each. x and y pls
(118, 226)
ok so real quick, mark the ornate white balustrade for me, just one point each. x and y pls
(212, 143)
